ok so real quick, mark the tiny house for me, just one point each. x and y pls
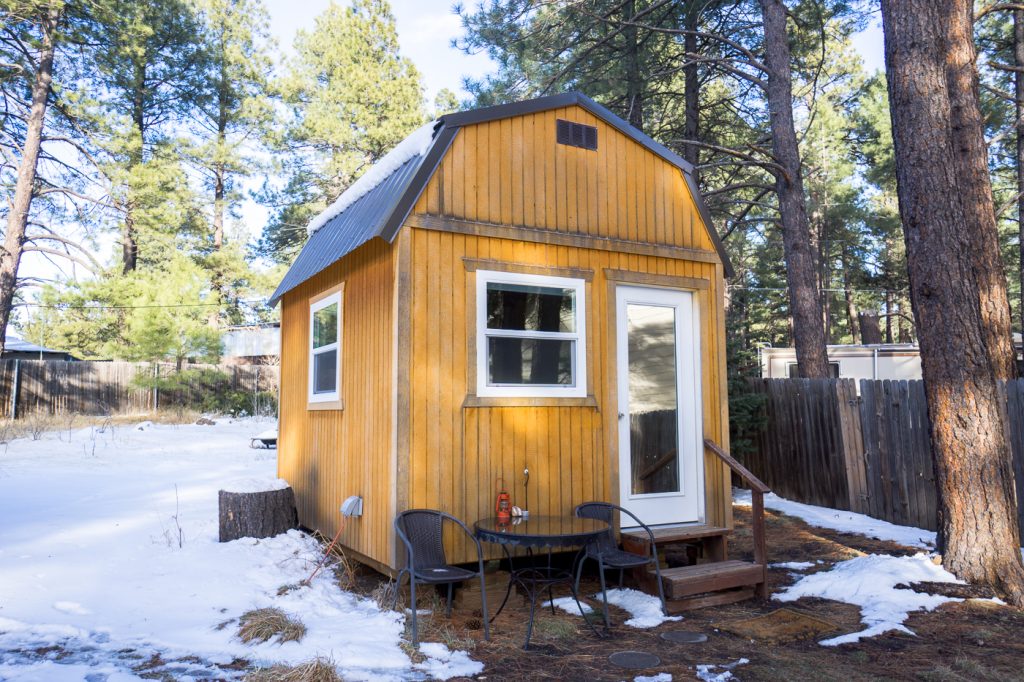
(532, 286)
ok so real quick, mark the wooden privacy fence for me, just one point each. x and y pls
(114, 388)
(825, 443)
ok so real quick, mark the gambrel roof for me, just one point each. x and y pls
(378, 204)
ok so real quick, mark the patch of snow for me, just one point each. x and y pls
(52, 671)
(444, 664)
(568, 604)
(269, 434)
(415, 145)
(71, 607)
(843, 521)
(645, 608)
(142, 426)
(254, 485)
(660, 677)
(706, 672)
(794, 565)
(91, 564)
(870, 583)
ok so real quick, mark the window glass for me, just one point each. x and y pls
(530, 308)
(325, 326)
(325, 372)
(530, 361)
(833, 370)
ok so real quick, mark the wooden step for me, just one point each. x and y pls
(711, 538)
(664, 536)
(686, 581)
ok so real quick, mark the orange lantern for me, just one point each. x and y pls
(503, 506)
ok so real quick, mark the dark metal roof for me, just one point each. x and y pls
(382, 211)
(347, 231)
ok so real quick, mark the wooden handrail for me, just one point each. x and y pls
(757, 491)
(743, 472)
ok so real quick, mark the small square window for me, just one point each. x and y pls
(325, 349)
(794, 372)
(530, 340)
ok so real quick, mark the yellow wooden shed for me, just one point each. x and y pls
(535, 286)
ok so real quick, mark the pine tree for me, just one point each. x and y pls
(945, 200)
(151, 69)
(234, 116)
(351, 97)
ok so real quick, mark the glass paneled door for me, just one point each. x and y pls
(661, 473)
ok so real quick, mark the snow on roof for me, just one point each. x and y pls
(415, 145)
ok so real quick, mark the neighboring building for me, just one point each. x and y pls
(535, 285)
(18, 349)
(877, 361)
(252, 344)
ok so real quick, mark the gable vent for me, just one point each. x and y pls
(576, 134)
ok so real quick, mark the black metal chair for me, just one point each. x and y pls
(420, 530)
(605, 551)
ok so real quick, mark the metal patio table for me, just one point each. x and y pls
(540, 532)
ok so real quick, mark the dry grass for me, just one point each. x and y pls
(261, 625)
(317, 670)
(384, 596)
(35, 424)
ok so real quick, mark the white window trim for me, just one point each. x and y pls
(320, 304)
(579, 360)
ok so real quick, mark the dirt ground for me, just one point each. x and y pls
(972, 640)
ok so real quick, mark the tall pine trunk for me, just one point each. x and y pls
(217, 274)
(957, 284)
(21, 202)
(1018, 82)
(851, 306)
(801, 267)
(634, 81)
(130, 230)
(691, 89)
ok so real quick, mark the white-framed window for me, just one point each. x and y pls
(325, 348)
(531, 335)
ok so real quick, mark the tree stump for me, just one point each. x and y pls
(260, 514)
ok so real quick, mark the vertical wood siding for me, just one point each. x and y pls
(458, 453)
(511, 172)
(327, 455)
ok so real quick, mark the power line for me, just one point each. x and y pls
(130, 307)
(834, 291)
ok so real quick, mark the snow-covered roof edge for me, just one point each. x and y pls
(416, 144)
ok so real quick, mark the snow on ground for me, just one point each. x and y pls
(109, 555)
(795, 565)
(843, 521)
(645, 609)
(869, 582)
(568, 604)
(660, 677)
(707, 672)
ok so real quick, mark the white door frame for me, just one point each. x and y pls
(686, 505)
